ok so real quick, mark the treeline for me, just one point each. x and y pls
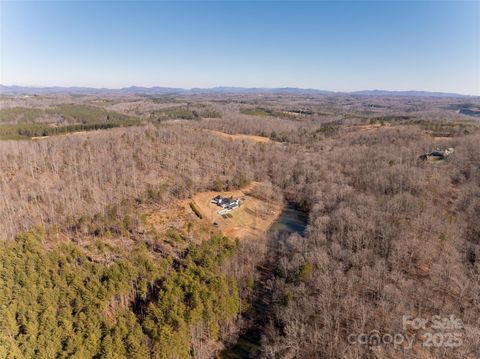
(39, 130)
(19, 115)
(21, 123)
(59, 303)
(274, 112)
(447, 129)
(64, 113)
(185, 113)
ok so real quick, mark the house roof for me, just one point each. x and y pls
(225, 201)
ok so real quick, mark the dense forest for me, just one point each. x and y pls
(58, 303)
(389, 235)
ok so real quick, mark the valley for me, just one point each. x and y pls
(113, 248)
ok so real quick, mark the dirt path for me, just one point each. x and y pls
(76, 133)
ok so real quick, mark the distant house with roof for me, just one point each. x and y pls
(226, 203)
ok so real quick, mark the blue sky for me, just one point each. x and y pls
(341, 46)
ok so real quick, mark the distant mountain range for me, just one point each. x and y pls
(135, 90)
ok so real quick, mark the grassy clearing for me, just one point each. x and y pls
(251, 220)
(184, 113)
(86, 114)
(20, 114)
(257, 111)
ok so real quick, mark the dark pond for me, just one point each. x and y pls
(469, 112)
(291, 220)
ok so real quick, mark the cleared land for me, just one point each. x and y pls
(169, 225)
(251, 220)
(372, 127)
(259, 139)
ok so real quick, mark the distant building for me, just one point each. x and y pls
(226, 203)
(438, 154)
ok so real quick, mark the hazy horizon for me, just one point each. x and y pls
(341, 47)
(234, 87)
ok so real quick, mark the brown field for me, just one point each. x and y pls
(251, 220)
(373, 127)
(241, 137)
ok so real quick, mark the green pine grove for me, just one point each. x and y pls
(55, 302)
